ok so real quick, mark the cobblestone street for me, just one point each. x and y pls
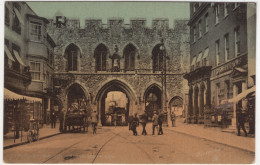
(118, 145)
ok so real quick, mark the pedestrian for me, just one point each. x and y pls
(173, 119)
(94, 121)
(114, 118)
(17, 121)
(135, 123)
(61, 118)
(240, 122)
(155, 121)
(53, 119)
(160, 121)
(130, 120)
(144, 119)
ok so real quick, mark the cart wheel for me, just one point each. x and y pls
(37, 134)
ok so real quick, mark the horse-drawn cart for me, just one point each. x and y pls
(76, 121)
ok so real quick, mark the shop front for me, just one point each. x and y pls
(19, 110)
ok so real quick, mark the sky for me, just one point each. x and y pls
(106, 10)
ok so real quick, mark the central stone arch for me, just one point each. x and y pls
(114, 85)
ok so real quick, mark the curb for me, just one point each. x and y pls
(236, 147)
(22, 143)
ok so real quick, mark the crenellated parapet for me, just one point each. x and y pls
(112, 23)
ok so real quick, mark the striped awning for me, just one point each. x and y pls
(8, 53)
(193, 61)
(199, 57)
(242, 95)
(12, 95)
(206, 53)
(18, 14)
(17, 56)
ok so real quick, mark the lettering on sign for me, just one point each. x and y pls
(226, 67)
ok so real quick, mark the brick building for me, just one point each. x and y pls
(101, 58)
(28, 54)
(218, 54)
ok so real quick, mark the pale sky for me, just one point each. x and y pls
(105, 10)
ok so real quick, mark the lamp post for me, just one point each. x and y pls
(164, 96)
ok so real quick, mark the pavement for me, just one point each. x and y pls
(213, 134)
(45, 132)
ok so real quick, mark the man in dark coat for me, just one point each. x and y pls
(61, 118)
(130, 120)
(144, 119)
(155, 121)
(240, 122)
(173, 119)
(135, 123)
(53, 119)
(160, 121)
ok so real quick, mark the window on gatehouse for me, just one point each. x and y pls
(157, 56)
(72, 53)
(100, 55)
(129, 55)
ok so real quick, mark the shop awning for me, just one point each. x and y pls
(11, 95)
(8, 6)
(8, 53)
(206, 53)
(199, 57)
(17, 56)
(193, 61)
(242, 95)
(17, 13)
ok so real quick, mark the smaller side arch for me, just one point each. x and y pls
(85, 90)
(149, 86)
(173, 99)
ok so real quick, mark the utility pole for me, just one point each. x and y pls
(164, 95)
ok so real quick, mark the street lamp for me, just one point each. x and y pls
(164, 96)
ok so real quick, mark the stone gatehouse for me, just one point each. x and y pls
(100, 58)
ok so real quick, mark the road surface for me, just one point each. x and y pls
(118, 145)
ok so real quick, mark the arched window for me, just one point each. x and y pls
(100, 55)
(72, 53)
(157, 56)
(129, 55)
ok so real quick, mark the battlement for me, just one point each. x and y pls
(160, 23)
(135, 23)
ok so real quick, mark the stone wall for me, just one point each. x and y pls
(117, 33)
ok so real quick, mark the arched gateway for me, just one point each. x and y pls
(114, 86)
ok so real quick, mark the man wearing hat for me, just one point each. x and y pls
(135, 123)
(144, 119)
(94, 121)
(155, 121)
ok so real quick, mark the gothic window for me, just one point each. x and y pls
(157, 56)
(72, 54)
(100, 55)
(129, 55)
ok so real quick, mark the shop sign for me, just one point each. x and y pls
(227, 67)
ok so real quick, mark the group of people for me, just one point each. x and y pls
(157, 121)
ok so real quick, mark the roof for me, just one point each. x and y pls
(38, 17)
(50, 40)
